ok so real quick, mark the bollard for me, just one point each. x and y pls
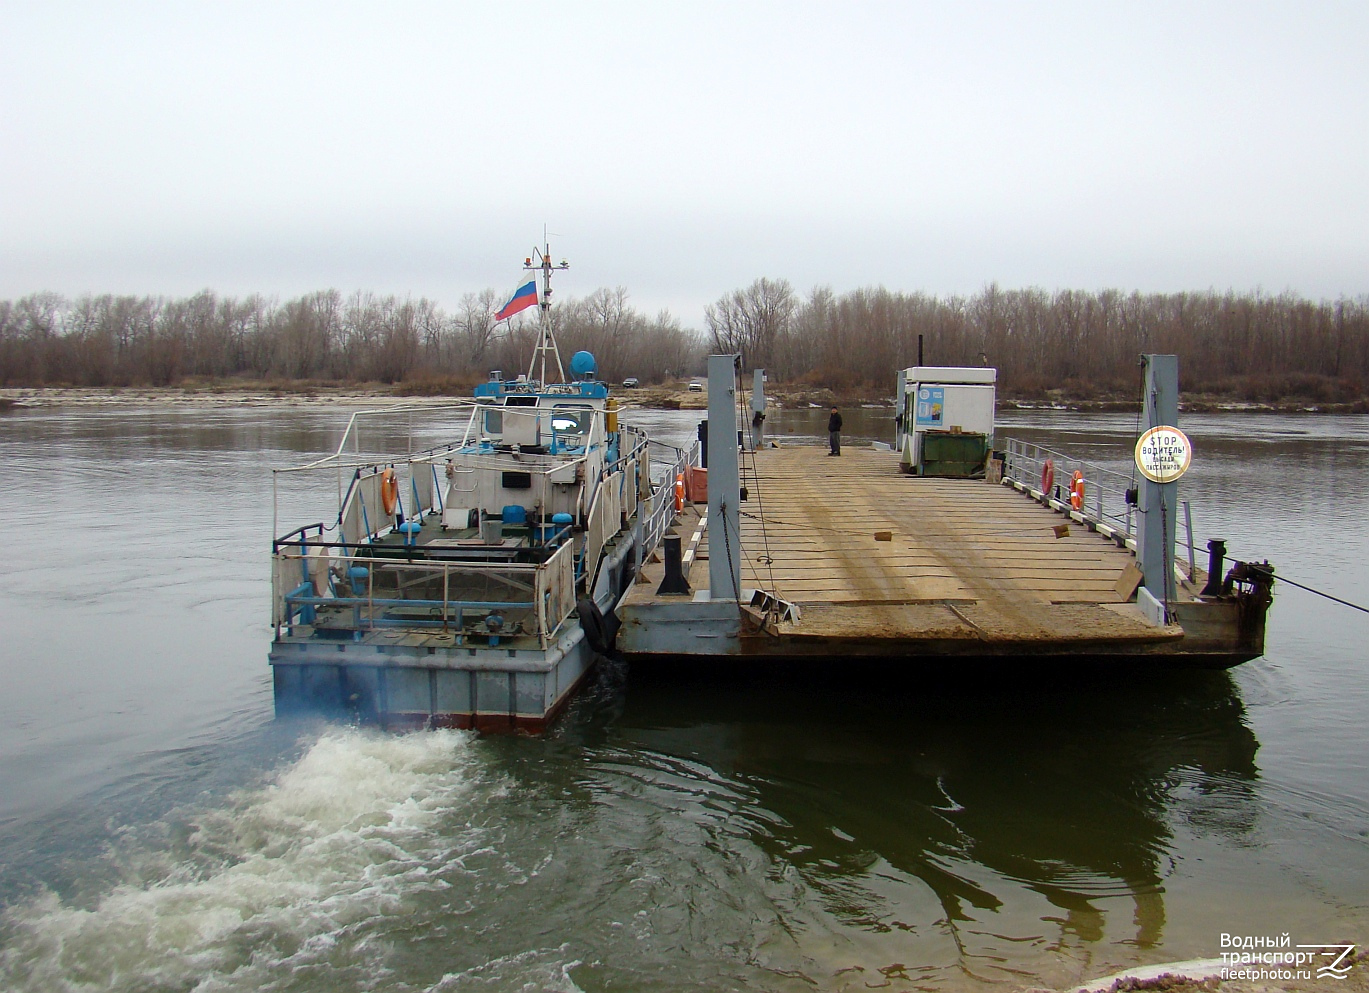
(674, 583)
(410, 531)
(1216, 551)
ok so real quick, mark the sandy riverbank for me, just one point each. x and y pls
(1204, 977)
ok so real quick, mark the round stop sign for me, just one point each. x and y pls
(1163, 454)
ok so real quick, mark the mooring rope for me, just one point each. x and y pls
(1279, 577)
(1309, 589)
(769, 559)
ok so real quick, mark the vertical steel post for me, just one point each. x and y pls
(1188, 526)
(757, 432)
(900, 401)
(1216, 552)
(1157, 504)
(724, 481)
(673, 583)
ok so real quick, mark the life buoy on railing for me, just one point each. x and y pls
(1047, 477)
(1077, 490)
(679, 492)
(389, 491)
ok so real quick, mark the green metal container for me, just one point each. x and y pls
(958, 456)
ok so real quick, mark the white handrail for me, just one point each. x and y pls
(329, 460)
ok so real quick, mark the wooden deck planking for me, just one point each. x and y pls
(967, 560)
(820, 534)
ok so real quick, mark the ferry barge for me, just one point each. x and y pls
(948, 547)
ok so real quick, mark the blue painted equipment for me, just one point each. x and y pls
(582, 365)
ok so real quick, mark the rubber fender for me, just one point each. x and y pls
(599, 631)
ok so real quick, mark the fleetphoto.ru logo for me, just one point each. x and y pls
(1339, 966)
(1259, 957)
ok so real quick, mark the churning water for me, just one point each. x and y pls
(159, 830)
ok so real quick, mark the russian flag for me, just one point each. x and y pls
(523, 298)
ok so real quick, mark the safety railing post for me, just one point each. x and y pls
(1188, 525)
(542, 589)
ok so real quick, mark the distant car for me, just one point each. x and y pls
(696, 387)
(630, 383)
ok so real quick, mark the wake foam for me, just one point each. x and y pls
(543, 970)
(279, 881)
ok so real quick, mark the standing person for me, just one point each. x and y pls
(834, 432)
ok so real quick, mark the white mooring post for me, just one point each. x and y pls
(1157, 504)
(724, 481)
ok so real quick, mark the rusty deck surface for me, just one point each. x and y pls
(967, 566)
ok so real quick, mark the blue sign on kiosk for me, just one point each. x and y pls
(931, 405)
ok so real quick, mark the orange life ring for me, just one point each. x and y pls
(389, 492)
(679, 492)
(1047, 477)
(1077, 490)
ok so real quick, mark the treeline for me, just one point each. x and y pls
(102, 341)
(1250, 346)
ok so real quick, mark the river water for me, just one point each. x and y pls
(160, 830)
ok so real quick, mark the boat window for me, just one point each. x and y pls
(494, 422)
(520, 402)
(572, 418)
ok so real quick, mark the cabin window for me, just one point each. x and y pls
(517, 480)
(494, 422)
(572, 418)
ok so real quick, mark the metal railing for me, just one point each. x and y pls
(1105, 490)
(352, 590)
(349, 455)
(661, 512)
(351, 585)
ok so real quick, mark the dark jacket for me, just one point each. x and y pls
(834, 422)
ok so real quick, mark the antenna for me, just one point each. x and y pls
(540, 260)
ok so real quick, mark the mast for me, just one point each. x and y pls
(540, 261)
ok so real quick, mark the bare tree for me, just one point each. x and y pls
(475, 326)
(755, 321)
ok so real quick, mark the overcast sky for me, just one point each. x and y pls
(683, 149)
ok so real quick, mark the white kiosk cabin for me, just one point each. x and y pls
(945, 419)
